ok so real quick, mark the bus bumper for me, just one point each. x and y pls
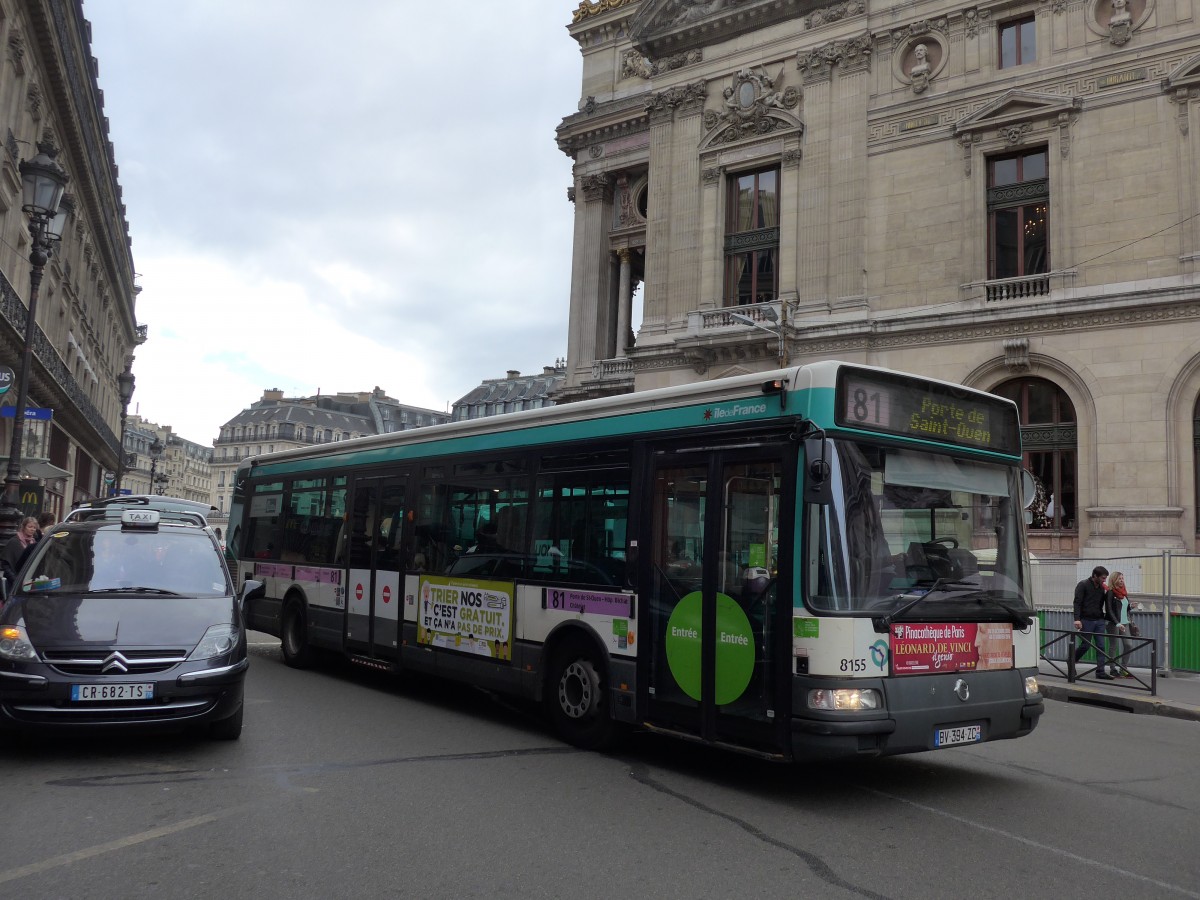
(925, 712)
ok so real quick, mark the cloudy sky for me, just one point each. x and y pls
(335, 197)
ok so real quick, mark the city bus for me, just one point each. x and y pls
(825, 561)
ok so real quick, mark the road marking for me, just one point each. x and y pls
(1037, 845)
(67, 859)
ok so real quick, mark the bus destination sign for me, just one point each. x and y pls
(914, 407)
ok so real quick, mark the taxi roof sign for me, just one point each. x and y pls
(140, 518)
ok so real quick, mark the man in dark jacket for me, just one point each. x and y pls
(1092, 615)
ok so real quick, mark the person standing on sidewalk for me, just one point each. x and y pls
(1120, 606)
(1092, 615)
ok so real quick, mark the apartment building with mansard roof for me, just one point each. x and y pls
(1003, 193)
(276, 422)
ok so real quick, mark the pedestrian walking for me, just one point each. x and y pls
(1120, 606)
(14, 550)
(1092, 615)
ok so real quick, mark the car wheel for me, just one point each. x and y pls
(294, 639)
(228, 729)
(577, 698)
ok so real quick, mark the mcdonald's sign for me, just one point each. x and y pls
(31, 499)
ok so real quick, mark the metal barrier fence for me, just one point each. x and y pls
(1058, 649)
(1165, 586)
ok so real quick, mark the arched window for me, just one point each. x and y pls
(1196, 458)
(1049, 438)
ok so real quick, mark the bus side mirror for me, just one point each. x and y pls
(1028, 493)
(818, 481)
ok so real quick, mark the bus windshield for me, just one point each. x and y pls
(904, 525)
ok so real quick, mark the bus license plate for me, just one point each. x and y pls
(963, 734)
(94, 692)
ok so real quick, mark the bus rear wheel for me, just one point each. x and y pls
(294, 638)
(577, 698)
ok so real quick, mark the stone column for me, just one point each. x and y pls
(673, 161)
(591, 309)
(624, 301)
(848, 168)
(813, 195)
(686, 237)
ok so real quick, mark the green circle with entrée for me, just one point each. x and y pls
(735, 647)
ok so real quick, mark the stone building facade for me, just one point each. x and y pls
(181, 468)
(1003, 193)
(86, 329)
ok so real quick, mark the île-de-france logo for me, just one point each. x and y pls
(708, 414)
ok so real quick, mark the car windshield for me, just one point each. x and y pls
(111, 559)
(903, 524)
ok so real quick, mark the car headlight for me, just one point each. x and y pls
(845, 699)
(1031, 686)
(217, 641)
(15, 644)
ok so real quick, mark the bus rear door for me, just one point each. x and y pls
(373, 596)
(717, 522)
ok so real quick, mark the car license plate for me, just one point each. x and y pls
(94, 692)
(963, 734)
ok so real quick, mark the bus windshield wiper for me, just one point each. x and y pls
(1016, 616)
(882, 623)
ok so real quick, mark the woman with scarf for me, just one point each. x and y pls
(10, 558)
(1120, 605)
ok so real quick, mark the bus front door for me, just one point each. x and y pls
(716, 632)
(373, 596)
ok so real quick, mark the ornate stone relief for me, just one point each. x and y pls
(595, 187)
(636, 65)
(835, 13)
(852, 55)
(588, 8)
(976, 20)
(33, 101)
(627, 213)
(921, 53)
(1016, 353)
(750, 104)
(690, 11)
(686, 97)
(16, 49)
(1117, 19)
(1014, 115)
(1182, 87)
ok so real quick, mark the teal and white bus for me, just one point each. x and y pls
(828, 563)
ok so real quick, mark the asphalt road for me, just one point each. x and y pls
(349, 784)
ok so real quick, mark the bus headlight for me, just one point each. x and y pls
(845, 699)
(1031, 686)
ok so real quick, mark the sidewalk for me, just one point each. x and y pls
(1177, 696)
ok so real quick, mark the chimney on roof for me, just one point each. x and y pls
(273, 394)
(513, 373)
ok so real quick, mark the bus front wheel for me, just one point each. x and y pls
(577, 700)
(294, 638)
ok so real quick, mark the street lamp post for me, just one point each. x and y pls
(779, 331)
(125, 383)
(156, 450)
(43, 182)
